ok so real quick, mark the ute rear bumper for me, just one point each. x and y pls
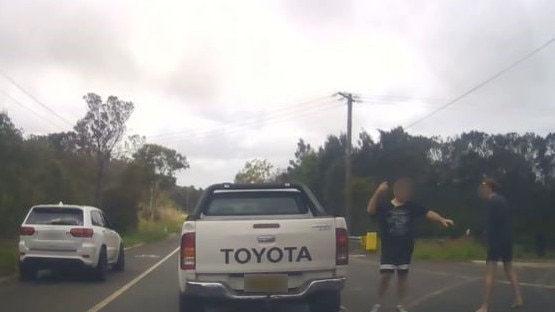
(217, 290)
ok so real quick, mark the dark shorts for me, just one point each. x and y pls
(502, 251)
(396, 256)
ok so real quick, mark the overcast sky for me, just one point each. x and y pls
(226, 81)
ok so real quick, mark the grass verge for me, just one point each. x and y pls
(8, 258)
(451, 250)
(150, 231)
(464, 250)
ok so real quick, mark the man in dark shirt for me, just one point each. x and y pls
(499, 240)
(396, 221)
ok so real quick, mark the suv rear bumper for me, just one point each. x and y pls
(54, 263)
(221, 291)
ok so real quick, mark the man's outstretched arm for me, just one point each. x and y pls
(434, 216)
(373, 203)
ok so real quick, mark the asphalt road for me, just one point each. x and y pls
(150, 284)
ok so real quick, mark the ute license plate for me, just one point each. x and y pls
(266, 283)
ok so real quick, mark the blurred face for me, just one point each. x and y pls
(484, 191)
(403, 189)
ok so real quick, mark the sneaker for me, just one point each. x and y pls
(400, 308)
(376, 308)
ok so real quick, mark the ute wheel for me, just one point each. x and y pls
(329, 301)
(27, 272)
(99, 272)
(120, 264)
(190, 304)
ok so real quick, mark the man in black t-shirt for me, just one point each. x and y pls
(396, 221)
(499, 240)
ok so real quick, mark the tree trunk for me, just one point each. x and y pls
(100, 170)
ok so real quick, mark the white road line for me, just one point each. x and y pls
(120, 291)
(438, 292)
(134, 246)
(534, 265)
(532, 285)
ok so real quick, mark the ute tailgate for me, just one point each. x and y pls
(265, 245)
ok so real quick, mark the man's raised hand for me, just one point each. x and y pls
(447, 222)
(382, 188)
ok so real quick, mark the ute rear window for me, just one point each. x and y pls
(55, 216)
(255, 203)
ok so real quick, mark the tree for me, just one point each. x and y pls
(255, 171)
(186, 197)
(160, 160)
(161, 164)
(64, 141)
(102, 128)
(303, 167)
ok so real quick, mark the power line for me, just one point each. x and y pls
(391, 103)
(29, 109)
(34, 98)
(395, 98)
(252, 118)
(235, 128)
(483, 83)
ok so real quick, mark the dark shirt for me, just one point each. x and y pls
(498, 220)
(397, 223)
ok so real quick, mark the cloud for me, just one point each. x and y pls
(72, 34)
(212, 78)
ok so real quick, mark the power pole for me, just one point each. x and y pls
(348, 152)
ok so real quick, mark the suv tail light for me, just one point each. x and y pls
(81, 232)
(188, 251)
(341, 247)
(26, 230)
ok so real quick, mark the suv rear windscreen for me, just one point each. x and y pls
(245, 203)
(55, 216)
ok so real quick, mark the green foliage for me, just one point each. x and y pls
(160, 164)
(65, 167)
(61, 167)
(8, 258)
(453, 250)
(161, 161)
(255, 171)
(186, 197)
(151, 231)
(461, 250)
(102, 128)
(120, 201)
(447, 172)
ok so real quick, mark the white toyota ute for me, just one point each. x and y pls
(262, 242)
(65, 236)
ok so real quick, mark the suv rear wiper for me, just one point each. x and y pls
(62, 222)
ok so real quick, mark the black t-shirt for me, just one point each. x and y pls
(498, 221)
(397, 223)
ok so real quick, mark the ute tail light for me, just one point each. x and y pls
(81, 232)
(26, 230)
(341, 247)
(188, 253)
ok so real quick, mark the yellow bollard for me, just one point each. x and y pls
(371, 241)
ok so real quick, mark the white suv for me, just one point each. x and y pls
(62, 236)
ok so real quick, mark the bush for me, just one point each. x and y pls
(170, 221)
(121, 209)
(8, 258)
